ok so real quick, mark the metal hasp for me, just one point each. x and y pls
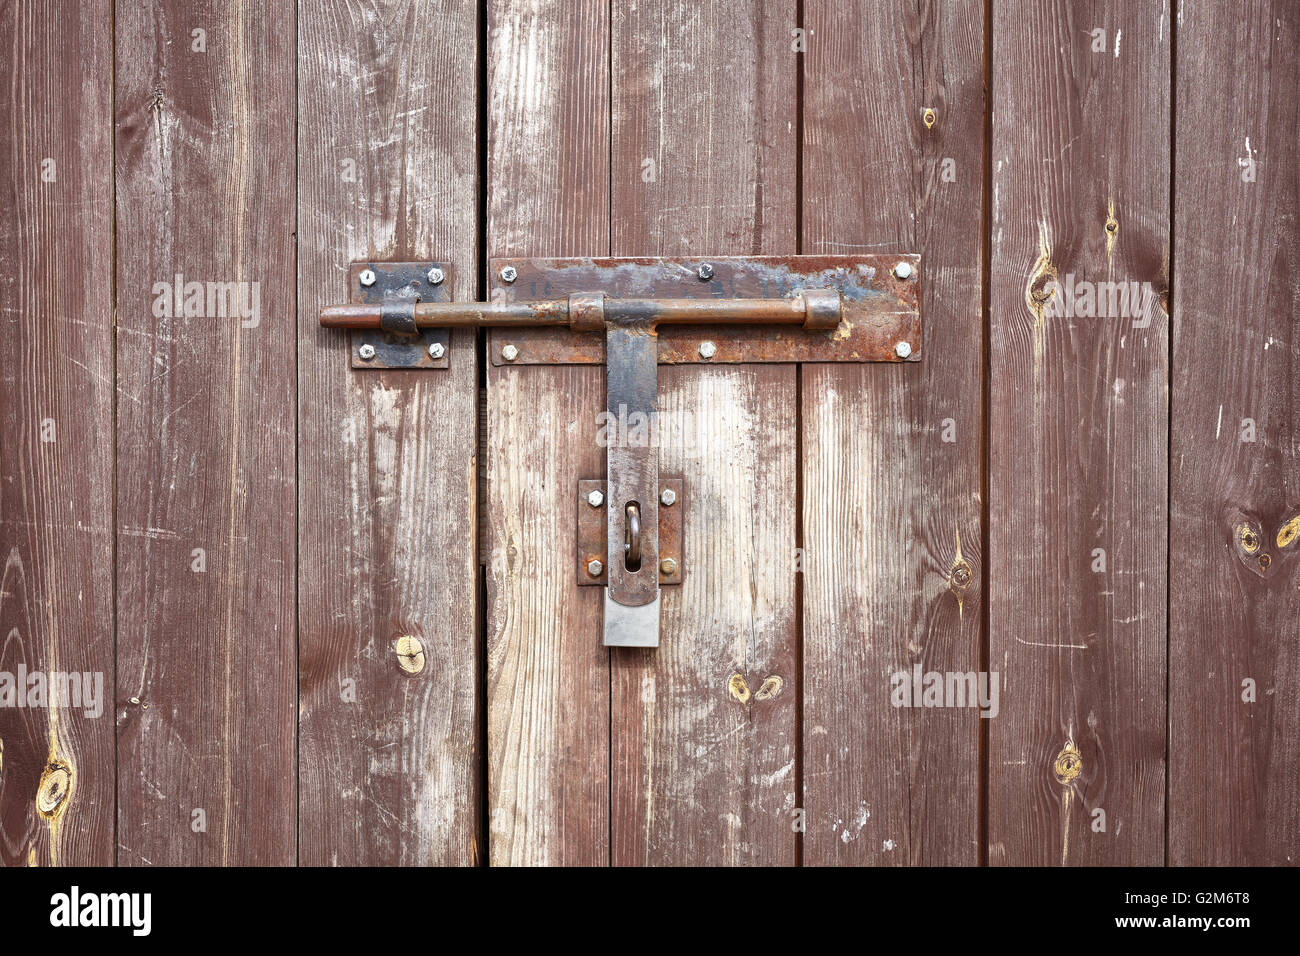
(633, 315)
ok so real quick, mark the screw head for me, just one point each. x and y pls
(367, 277)
(436, 276)
(436, 350)
(509, 352)
(668, 497)
(594, 568)
(903, 270)
(509, 274)
(595, 498)
(903, 349)
(366, 352)
(668, 566)
(705, 271)
(708, 350)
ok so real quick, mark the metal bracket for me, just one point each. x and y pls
(880, 319)
(396, 287)
(593, 551)
(645, 312)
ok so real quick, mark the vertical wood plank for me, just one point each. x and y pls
(1235, 534)
(205, 414)
(1078, 432)
(548, 674)
(703, 163)
(390, 761)
(892, 470)
(56, 434)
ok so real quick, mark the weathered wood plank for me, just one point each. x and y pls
(205, 415)
(548, 674)
(703, 163)
(1234, 574)
(390, 761)
(892, 468)
(1078, 432)
(56, 434)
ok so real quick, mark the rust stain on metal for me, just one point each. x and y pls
(592, 532)
(878, 310)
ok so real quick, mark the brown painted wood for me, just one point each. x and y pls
(1232, 763)
(390, 761)
(205, 419)
(548, 673)
(1078, 435)
(703, 162)
(891, 470)
(56, 432)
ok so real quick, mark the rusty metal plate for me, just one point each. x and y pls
(592, 531)
(406, 280)
(881, 308)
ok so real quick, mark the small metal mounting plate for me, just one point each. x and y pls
(403, 280)
(881, 309)
(592, 533)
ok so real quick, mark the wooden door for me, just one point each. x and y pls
(333, 610)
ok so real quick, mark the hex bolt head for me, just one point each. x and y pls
(436, 350)
(595, 498)
(903, 349)
(367, 277)
(594, 568)
(509, 352)
(668, 566)
(366, 352)
(668, 497)
(903, 270)
(436, 276)
(705, 271)
(509, 274)
(708, 350)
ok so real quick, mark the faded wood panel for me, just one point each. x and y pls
(1234, 575)
(892, 454)
(548, 673)
(703, 163)
(205, 414)
(390, 761)
(56, 436)
(1078, 433)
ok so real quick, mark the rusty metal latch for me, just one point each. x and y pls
(610, 311)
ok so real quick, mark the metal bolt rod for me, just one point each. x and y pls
(625, 312)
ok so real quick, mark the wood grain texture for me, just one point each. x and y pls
(1232, 763)
(205, 419)
(56, 432)
(548, 673)
(892, 454)
(390, 760)
(703, 163)
(1078, 433)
